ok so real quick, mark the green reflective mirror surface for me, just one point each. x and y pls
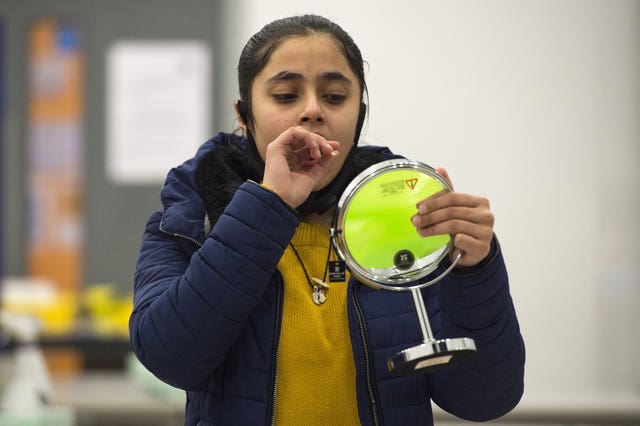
(377, 221)
(374, 233)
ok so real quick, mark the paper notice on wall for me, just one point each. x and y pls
(158, 108)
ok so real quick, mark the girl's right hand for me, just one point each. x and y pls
(295, 162)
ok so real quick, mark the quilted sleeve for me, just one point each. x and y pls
(477, 304)
(190, 308)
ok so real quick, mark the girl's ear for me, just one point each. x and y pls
(242, 115)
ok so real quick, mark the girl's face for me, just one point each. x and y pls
(307, 82)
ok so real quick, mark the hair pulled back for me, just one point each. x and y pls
(260, 47)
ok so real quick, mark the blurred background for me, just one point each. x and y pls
(532, 103)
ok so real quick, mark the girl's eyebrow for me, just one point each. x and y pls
(326, 76)
(335, 76)
(285, 75)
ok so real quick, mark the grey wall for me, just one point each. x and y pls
(115, 215)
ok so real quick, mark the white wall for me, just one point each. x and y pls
(535, 104)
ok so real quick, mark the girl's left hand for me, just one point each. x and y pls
(467, 218)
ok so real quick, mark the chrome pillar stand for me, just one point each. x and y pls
(431, 354)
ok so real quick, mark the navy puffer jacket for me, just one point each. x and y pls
(207, 314)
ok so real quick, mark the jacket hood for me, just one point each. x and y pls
(184, 208)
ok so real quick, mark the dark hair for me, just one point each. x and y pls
(260, 47)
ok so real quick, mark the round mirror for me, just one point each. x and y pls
(374, 235)
(372, 229)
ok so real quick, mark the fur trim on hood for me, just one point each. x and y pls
(223, 169)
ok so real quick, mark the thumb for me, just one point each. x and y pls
(443, 172)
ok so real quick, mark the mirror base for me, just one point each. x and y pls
(430, 356)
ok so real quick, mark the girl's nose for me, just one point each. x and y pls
(312, 113)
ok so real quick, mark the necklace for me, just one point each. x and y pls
(319, 286)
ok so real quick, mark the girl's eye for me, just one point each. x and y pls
(335, 99)
(284, 97)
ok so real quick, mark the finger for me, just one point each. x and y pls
(451, 199)
(292, 145)
(319, 148)
(307, 154)
(475, 215)
(437, 194)
(311, 147)
(329, 147)
(455, 227)
(304, 158)
(468, 244)
(326, 151)
(455, 251)
(473, 249)
(315, 144)
(300, 140)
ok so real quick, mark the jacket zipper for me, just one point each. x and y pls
(276, 350)
(276, 345)
(185, 237)
(367, 360)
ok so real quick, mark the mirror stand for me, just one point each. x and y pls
(431, 354)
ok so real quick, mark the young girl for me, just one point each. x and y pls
(224, 305)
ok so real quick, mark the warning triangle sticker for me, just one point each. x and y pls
(411, 183)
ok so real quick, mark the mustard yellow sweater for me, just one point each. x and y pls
(315, 372)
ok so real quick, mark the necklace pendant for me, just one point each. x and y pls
(319, 296)
(320, 283)
(319, 291)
